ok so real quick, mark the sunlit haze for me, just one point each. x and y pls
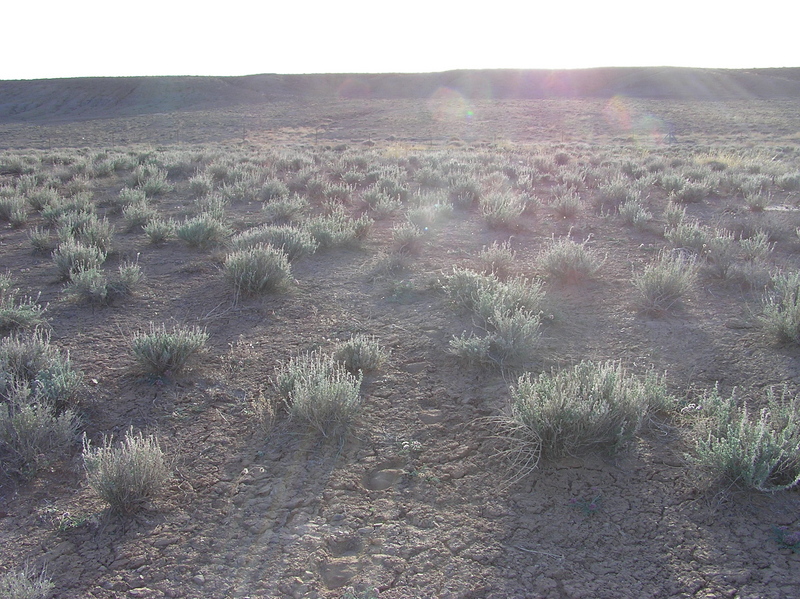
(53, 38)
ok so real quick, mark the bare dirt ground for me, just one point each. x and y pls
(417, 501)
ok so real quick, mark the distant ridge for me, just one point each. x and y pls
(49, 100)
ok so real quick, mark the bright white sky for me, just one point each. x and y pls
(77, 38)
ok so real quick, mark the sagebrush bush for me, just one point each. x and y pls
(24, 584)
(338, 229)
(593, 405)
(285, 210)
(497, 259)
(689, 235)
(665, 280)
(128, 475)
(502, 210)
(257, 269)
(159, 230)
(138, 215)
(319, 391)
(293, 241)
(757, 448)
(161, 352)
(29, 360)
(482, 294)
(511, 340)
(32, 430)
(19, 313)
(360, 354)
(781, 307)
(569, 261)
(202, 231)
(72, 256)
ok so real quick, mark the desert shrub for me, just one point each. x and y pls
(566, 204)
(213, 205)
(789, 181)
(89, 285)
(32, 431)
(672, 183)
(430, 211)
(92, 285)
(569, 261)
(286, 210)
(665, 280)
(511, 339)
(127, 197)
(360, 354)
(781, 307)
(464, 191)
(407, 239)
(319, 391)
(759, 449)
(691, 193)
(23, 584)
(484, 294)
(721, 253)
(674, 214)
(293, 241)
(41, 197)
(30, 361)
(688, 235)
(19, 313)
(502, 210)
(79, 204)
(159, 230)
(757, 201)
(589, 406)
(616, 192)
(633, 213)
(257, 269)
(128, 475)
(73, 256)
(757, 246)
(90, 231)
(202, 231)
(497, 259)
(150, 179)
(201, 185)
(14, 210)
(273, 189)
(338, 229)
(138, 215)
(160, 352)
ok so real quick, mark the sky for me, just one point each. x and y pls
(105, 38)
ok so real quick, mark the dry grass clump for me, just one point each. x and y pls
(127, 475)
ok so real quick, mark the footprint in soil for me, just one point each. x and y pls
(383, 476)
(337, 574)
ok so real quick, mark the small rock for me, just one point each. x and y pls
(199, 579)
